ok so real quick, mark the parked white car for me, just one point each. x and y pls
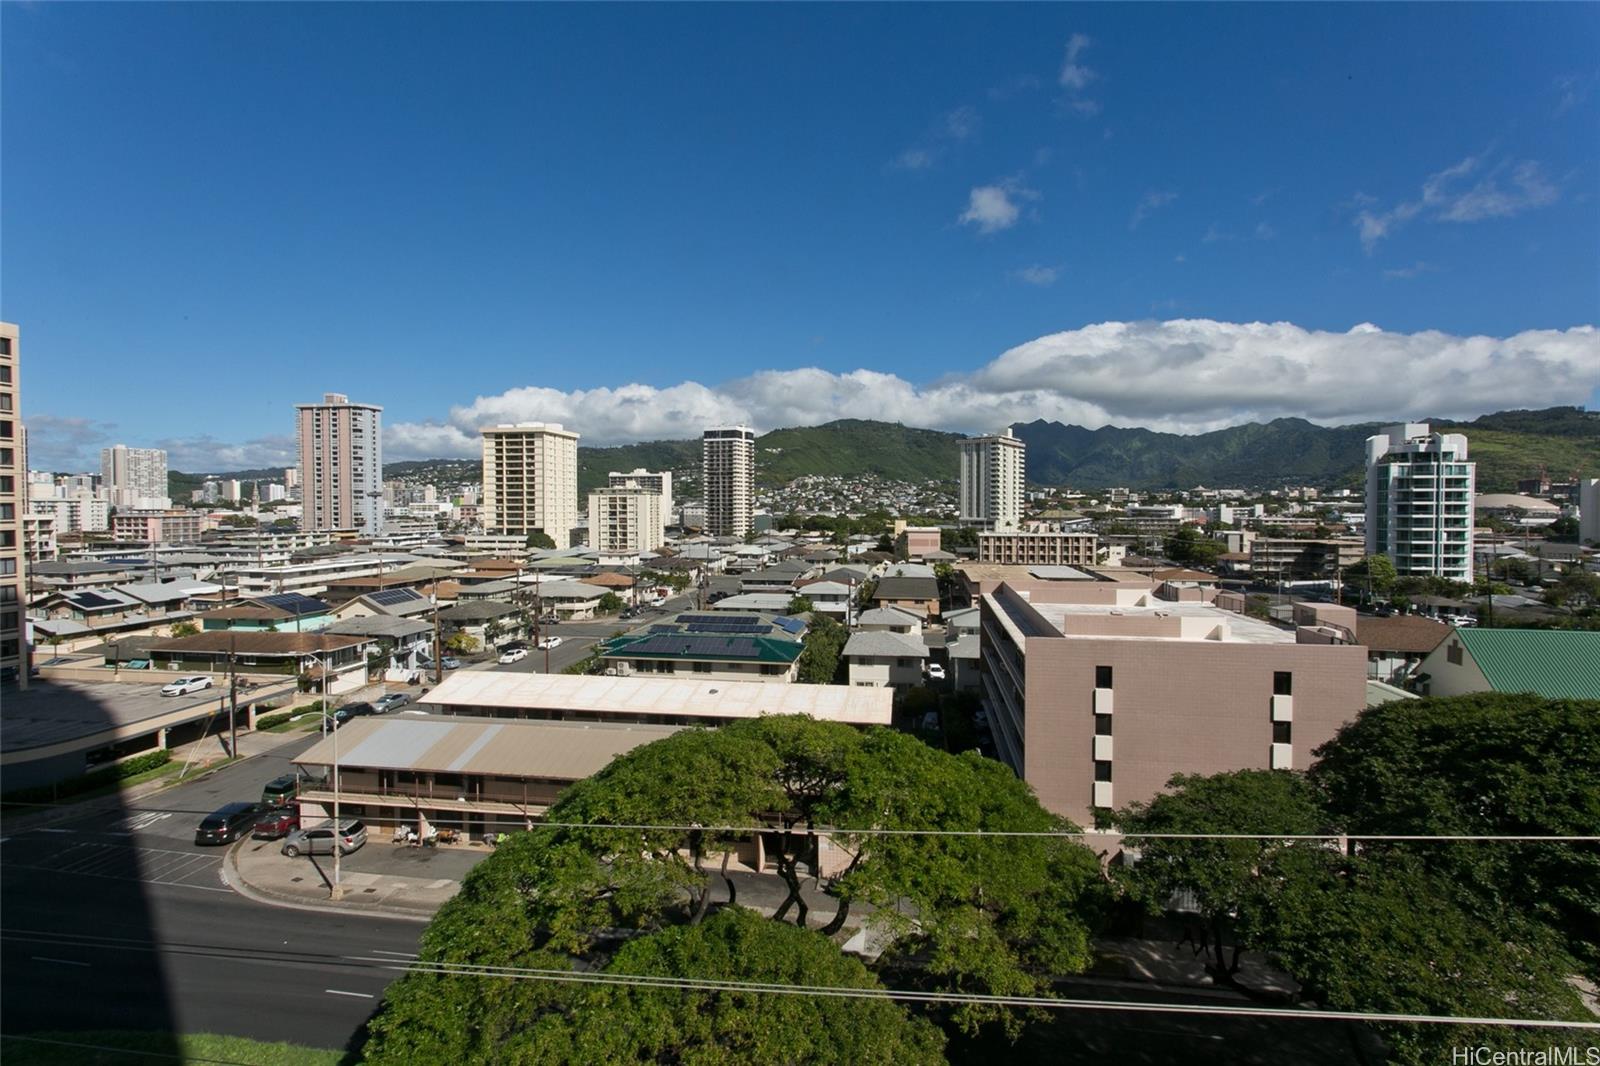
(514, 655)
(185, 685)
(550, 642)
(935, 671)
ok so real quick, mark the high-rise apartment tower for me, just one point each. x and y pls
(341, 462)
(530, 480)
(1419, 501)
(993, 477)
(728, 476)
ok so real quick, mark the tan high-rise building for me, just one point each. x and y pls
(728, 475)
(341, 461)
(993, 478)
(530, 480)
(625, 520)
(13, 503)
(659, 482)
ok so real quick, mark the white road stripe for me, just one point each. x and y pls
(336, 992)
(402, 954)
(67, 962)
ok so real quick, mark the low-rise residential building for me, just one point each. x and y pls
(1038, 548)
(831, 598)
(1554, 663)
(470, 775)
(1303, 559)
(890, 620)
(918, 595)
(284, 612)
(1096, 700)
(915, 542)
(172, 526)
(877, 658)
(1395, 645)
(650, 700)
(342, 658)
(709, 646)
(758, 602)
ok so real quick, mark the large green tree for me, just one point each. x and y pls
(819, 658)
(441, 1017)
(1483, 765)
(1233, 881)
(997, 915)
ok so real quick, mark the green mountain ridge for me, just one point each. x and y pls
(1507, 446)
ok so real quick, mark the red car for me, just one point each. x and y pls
(276, 823)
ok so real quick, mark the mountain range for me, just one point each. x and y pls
(1507, 446)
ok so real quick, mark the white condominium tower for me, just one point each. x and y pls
(625, 520)
(1419, 501)
(660, 483)
(341, 463)
(135, 478)
(530, 480)
(993, 477)
(728, 462)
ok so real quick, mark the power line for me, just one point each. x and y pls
(446, 969)
(834, 830)
(955, 998)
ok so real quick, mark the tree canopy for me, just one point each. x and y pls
(823, 644)
(540, 539)
(979, 914)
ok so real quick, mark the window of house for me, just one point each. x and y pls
(1281, 732)
(1102, 725)
(1282, 683)
(1453, 653)
(1102, 770)
(702, 668)
(1102, 677)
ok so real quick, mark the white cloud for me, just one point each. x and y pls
(962, 123)
(1186, 375)
(913, 159)
(994, 207)
(1074, 75)
(1149, 202)
(1264, 231)
(1042, 276)
(1509, 188)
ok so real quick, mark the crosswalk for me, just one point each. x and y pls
(123, 862)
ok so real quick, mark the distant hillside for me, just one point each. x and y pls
(851, 447)
(1507, 446)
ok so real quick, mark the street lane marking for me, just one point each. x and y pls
(64, 962)
(337, 992)
(57, 830)
(402, 954)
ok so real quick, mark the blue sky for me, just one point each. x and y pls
(637, 220)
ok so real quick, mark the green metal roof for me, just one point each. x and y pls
(1555, 663)
(694, 647)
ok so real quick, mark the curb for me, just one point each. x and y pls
(235, 881)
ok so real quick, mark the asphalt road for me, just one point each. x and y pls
(577, 638)
(116, 919)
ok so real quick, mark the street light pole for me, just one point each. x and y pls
(337, 891)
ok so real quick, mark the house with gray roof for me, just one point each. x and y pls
(878, 657)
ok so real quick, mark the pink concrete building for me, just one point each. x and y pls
(1098, 692)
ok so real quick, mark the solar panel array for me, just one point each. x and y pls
(294, 603)
(394, 597)
(789, 625)
(716, 619)
(93, 599)
(737, 647)
(726, 627)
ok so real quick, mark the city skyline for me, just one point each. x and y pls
(974, 217)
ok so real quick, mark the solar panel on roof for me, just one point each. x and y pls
(720, 647)
(392, 597)
(294, 603)
(789, 625)
(92, 599)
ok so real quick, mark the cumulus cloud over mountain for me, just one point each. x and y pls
(1187, 375)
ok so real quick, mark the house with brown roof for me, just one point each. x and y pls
(1397, 644)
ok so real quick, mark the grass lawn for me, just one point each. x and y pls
(108, 1048)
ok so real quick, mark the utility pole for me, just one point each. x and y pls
(438, 660)
(337, 891)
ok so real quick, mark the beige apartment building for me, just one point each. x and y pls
(1308, 559)
(341, 459)
(13, 503)
(1098, 693)
(993, 481)
(1043, 548)
(626, 521)
(158, 527)
(135, 477)
(728, 479)
(530, 480)
(658, 481)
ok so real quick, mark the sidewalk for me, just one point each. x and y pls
(258, 870)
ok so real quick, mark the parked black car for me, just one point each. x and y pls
(352, 710)
(227, 823)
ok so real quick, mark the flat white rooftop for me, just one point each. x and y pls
(686, 698)
(1197, 621)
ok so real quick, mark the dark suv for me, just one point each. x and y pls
(352, 710)
(280, 791)
(227, 823)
